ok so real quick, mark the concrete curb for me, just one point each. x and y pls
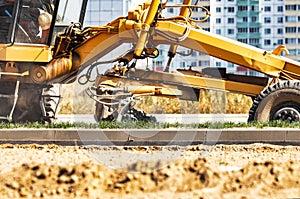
(151, 136)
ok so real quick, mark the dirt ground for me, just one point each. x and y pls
(219, 171)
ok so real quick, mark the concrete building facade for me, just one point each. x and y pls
(292, 28)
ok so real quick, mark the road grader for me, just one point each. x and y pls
(37, 53)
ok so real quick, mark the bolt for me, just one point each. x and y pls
(39, 74)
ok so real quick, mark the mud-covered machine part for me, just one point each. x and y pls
(116, 105)
(21, 102)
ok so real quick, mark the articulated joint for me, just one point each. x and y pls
(145, 27)
(54, 69)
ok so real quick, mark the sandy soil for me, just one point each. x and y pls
(220, 171)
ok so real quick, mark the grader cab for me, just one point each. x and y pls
(33, 58)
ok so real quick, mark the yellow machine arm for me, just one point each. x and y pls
(145, 28)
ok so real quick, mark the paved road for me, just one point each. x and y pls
(169, 118)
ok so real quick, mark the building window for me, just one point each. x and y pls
(254, 30)
(290, 30)
(182, 64)
(280, 9)
(230, 65)
(158, 63)
(280, 42)
(231, 9)
(230, 31)
(254, 19)
(291, 7)
(267, 42)
(243, 40)
(267, 9)
(207, 7)
(255, 8)
(230, 20)
(194, 53)
(170, 10)
(242, 8)
(292, 51)
(280, 31)
(242, 30)
(218, 20)
(218, 9)
(290, 41)
(254, 41)
(280, 20)
(218, 31)
(203, 63)
(290, 18)
(267, 19)
(245, 19)
(218, 64)
(267, 31)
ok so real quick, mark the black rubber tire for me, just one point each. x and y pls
(51, 101)
(284, 95)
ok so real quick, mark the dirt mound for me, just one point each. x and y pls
(90, 180)
(45, 180)
(264, 178)
(180, 176)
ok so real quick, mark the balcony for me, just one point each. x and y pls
(248, 25)
(254, 25)
(242, 35)
(254, 35)
(248, 35)
(242, 3)
(254, 2)
(253, 13)
(242, 13)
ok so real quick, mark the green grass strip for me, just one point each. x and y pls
(149, 125)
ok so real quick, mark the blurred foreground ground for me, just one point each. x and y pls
(219, 171)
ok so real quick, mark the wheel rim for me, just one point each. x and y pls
(288, 114)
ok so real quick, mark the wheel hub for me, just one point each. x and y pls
(288, 114)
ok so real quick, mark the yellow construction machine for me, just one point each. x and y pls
(37, 52)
